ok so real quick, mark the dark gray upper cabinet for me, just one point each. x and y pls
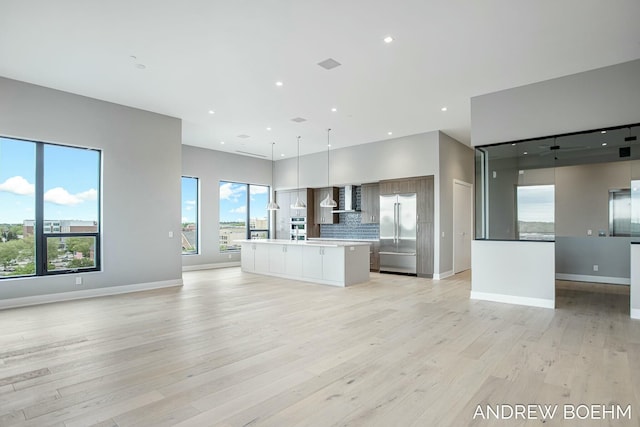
(370, 203)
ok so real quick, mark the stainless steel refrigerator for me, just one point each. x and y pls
(398, 233)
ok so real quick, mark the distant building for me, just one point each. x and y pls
(61, 226)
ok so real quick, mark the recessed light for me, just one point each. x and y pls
(268, 128)
(279, 83)
(389, 133)
(388, 39)
(328, 145)
(525, 153)
(222, 142)
(211, 112)
(334, 109)
(141, 66)
(513, 144)
(443, 109)
(282, 155)
(603, 131)
(604, 144)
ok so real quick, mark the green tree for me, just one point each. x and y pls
(80, 263)
(80, 244)
(53, 248)
(9, 252)
(24, 270)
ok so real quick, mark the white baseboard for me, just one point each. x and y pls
(210, 266)
(511, 299)
(594, 279)
(86, 293)
(440, 276)
(635, 313)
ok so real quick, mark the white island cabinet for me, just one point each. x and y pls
(329, 263)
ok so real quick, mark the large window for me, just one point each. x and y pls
(50, 208)
(535, 212)
(243, 214)
(189, 233)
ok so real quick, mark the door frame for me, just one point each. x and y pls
(453, 222)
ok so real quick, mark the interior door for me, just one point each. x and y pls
(462, 217)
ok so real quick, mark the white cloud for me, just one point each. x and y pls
(228, 192)
(241, 209)
(188, 208)
(259, 189)
(60, 196)
(190, 202)
(90, 194)
(185, 219)
(18, 185)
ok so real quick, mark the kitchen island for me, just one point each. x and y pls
(333, 263)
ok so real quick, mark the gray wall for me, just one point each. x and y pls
(211, 167)
(409, 156)
(582, 203)
(598, 98)
(141, 154)
(582, 196)
(456, 162)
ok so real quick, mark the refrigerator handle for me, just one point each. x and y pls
(397, 222)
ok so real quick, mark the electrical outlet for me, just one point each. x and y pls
(229, 256)
(589, 232)
(78, 280)
(595, 267)
(171, 234)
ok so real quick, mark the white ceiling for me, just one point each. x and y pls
(226, 56)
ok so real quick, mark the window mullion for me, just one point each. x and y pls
(39, 239)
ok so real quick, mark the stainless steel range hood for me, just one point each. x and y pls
(350, 200)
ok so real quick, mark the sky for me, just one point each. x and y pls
(536, 203)
(233, 201)
(71, 182)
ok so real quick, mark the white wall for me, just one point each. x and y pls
(211, 167)
(141, 157)
(513, 272)
(635, 281)
(604, 97)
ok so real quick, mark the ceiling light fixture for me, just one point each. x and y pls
(279, 84)
(272, 205)
(525, 153)
(388, 39)
(299, 204)
(222, 142)
(269, 129)
(513, 144)
(334, 109)
(389, 133)
(328, 201)
(603, 131)
(211, 112)
(604, 144)
(443, 109)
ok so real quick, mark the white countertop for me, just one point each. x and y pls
(320, 242)
(337, 239)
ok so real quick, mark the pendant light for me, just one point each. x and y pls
(328, 201)
(272, 205)
(299, 204)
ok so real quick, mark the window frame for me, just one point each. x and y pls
(197, 212)
(41, 263)
(248, 229)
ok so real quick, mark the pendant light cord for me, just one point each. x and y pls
(298, 168)
(328, 145)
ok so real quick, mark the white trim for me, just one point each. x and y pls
(86, 293)
(594, 279)
(635, 313)
(440, 276)
(511, 299)
(210, 266)
(453, 222)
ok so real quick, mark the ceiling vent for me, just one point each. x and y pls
(243, 136)
(329, 64)
(246, 153)
(298, 120)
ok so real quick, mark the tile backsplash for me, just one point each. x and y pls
(350, 226)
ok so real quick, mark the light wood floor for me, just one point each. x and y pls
(235, 349)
